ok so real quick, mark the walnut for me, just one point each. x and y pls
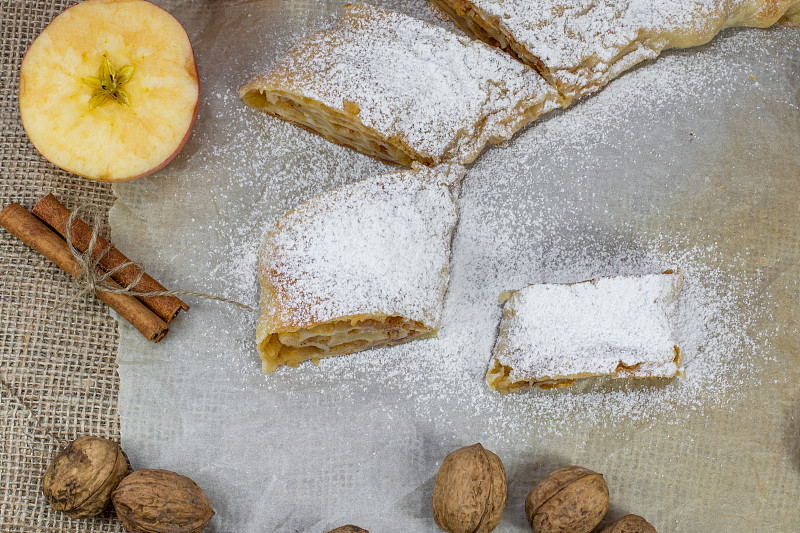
(629, 524)
(470, 491)
(82, 477)
(160, 501)
(349, 528)
(572, 499)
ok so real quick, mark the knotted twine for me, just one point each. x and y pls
(94, 279)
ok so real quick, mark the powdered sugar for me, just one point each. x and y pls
(557, 331)
(442, 95)
(444, 378)
(583, 44)
(378, 246)
(567, 227)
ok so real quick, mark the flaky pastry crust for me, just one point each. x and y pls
(400, 89)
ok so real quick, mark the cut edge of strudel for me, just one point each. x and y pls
(482, 25)
(554, 335)
(339, 126)
(401, 90)
(341, 336)
(357, 267)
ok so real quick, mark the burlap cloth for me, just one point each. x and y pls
(58, 377)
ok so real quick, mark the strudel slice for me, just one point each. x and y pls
(620, 327)
(401, 90)
(581, 45)
(357, 267)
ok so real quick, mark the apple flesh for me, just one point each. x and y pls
(114, 131)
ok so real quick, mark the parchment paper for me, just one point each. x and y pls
(691, 161)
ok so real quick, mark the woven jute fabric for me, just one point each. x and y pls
(58, 375)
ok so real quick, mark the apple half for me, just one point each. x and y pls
(109, 89)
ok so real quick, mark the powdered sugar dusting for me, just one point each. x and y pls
(444, 378)
(586, 43)
(553, 331)
(502, 245)
(570, 233)
(441, 94)
(381, 245)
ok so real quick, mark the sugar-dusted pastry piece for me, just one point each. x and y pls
(581, 45)
(401, 90)
(356, 267)
(618, 327)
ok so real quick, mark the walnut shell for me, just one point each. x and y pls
(349, 528)
(572, 499)
(160, 501)
(629, 524)
(82, 477)
(469, 494)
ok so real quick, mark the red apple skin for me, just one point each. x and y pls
(169, 158)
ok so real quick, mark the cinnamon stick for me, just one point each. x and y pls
(38, 236)
(56, 215)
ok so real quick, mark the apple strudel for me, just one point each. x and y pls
(357, 267)
(618, 327)
(581, 45)
(400, 89)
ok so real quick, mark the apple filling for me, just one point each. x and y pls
(342, 128)
(337, 337)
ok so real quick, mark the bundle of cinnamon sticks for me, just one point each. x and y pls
(45, 230)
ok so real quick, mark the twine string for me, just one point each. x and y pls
(94, 279)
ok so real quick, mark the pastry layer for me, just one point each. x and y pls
(581, 45)
(357, 267)
(552, 335)
(401, 90)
